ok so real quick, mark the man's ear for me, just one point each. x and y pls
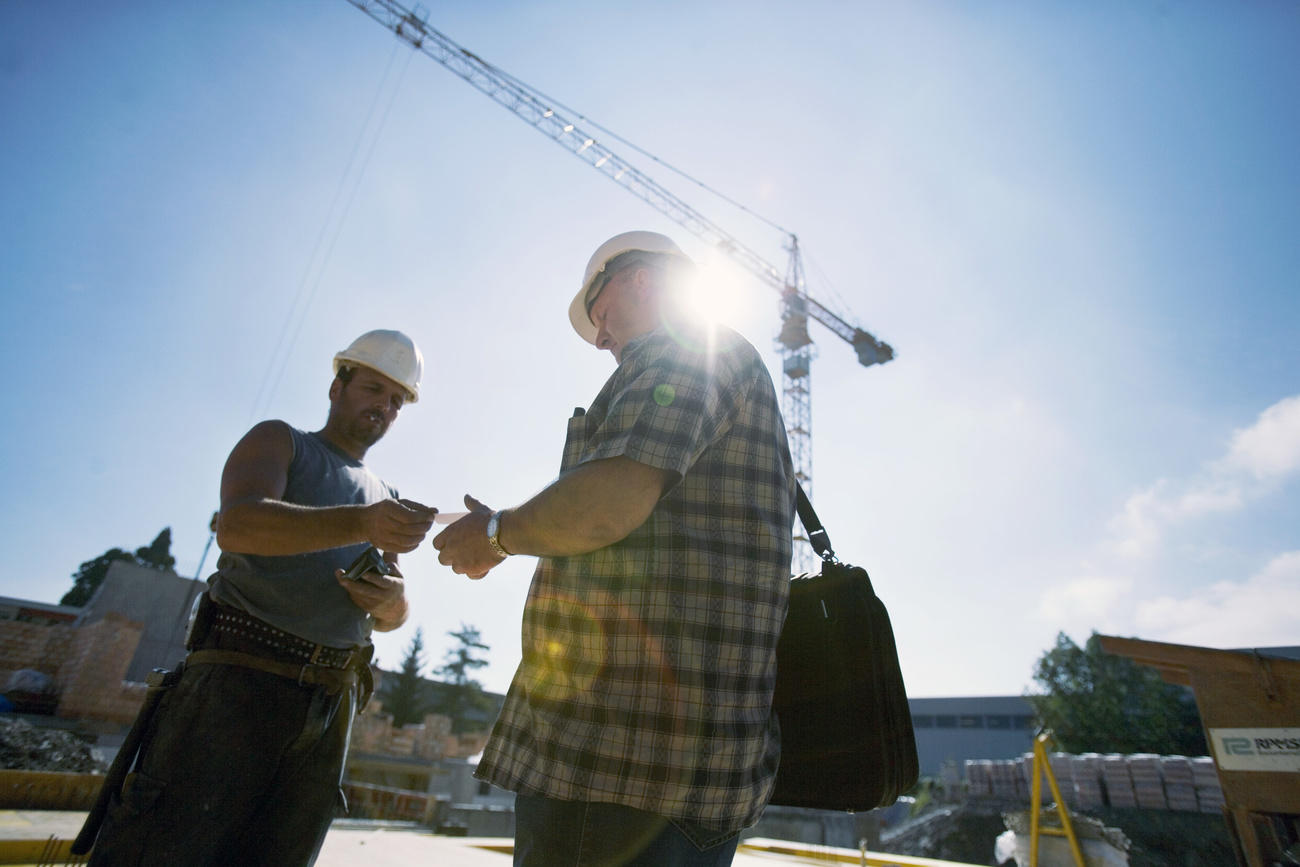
(643, 283)
(336, 388)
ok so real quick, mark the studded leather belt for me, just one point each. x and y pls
(251, 634)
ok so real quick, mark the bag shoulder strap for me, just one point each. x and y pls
(817, 536)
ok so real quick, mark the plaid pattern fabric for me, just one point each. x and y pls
(648, 666)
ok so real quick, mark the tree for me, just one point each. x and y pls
(463, 694)
(159, 553)
(1095, 701)
(89, 575)
(408, 699)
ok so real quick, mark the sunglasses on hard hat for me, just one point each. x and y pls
(613, 268)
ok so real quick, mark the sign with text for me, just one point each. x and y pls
(1257, 749)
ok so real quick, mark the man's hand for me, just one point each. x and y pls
(396, 525)
(464, 545)
(382, 596)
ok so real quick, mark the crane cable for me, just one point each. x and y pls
(309, 285)
(555, 103)
(552, 102)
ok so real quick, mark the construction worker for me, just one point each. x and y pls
(638, 729)
(242, 760)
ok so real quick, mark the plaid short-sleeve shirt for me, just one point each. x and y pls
(648, 665)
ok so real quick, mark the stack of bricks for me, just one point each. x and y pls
(1086, 771)
(1119, 783)
(1027, 780)
(1063, 772)
(373, 732)
(1007, 780)
(1209, 794)
(1148, 786)
(1140, 781)
(1180, 790)
(979, 777)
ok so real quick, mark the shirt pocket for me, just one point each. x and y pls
(574, 441)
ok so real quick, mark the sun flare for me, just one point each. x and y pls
(718, 291)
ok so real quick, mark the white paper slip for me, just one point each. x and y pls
(448, 517)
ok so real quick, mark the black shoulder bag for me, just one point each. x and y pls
(846, 729)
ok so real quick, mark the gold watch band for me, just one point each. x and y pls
(494, 534)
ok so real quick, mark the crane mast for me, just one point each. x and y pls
(796, 347)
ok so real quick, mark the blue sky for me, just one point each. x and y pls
(1077, 225)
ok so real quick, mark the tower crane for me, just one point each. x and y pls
(797, 307)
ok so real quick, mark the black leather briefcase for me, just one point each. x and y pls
(846, 729)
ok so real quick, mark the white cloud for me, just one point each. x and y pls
(1260, 611)
(1084, 604)
(1270, 448)
(1258, 457)
(1263, 610)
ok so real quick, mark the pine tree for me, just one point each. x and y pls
(159, 553)
(89, 575)
(462, 694)
(408, 700)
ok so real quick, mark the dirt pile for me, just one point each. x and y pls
(25, 747)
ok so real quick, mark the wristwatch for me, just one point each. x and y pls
(494, 534)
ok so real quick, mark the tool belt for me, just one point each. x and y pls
(222, 635)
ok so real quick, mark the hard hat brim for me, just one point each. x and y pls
(343, 360)
(579, 316)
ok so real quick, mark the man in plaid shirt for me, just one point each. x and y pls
(638, 729)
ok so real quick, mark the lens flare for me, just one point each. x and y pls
(718, 291)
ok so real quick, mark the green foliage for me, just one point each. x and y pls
(89, 575)
(408, 699)
(1095, 701)
(463, 694)
(159, 553)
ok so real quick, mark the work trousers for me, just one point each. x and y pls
(238, 767)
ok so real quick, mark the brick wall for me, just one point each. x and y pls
(87, 664)
(92, 679)
(37, 646)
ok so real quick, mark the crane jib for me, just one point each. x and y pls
(540, 112)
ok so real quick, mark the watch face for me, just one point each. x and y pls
(492, 525)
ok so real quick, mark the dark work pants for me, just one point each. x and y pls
(551, 833)
(239, 767)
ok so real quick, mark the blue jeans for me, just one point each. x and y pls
(551, 833)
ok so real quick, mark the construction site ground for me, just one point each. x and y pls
(1158, 838)
(946, 832)
(943, 836)
(26, 835)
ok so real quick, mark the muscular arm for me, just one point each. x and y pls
(255, 520)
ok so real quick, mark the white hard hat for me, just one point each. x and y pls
(391, 353)
(643, 242)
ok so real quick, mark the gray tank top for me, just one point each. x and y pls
(298, 593)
